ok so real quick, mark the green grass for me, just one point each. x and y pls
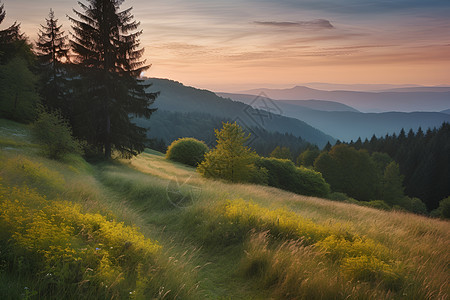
(220, 240)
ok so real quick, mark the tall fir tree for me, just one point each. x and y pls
(2, 13)
(12, 42)
(52, 51)
(108, 54)
(12, 32)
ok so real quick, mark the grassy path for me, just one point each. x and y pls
(217, 272)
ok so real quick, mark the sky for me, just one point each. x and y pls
(236, 45)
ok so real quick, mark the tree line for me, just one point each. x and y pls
(423, 158)
(399, 169)
(91, 79)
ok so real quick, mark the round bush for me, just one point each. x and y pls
(285, 175)
(188, 151)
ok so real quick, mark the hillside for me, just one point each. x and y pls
(409, 100)
(186, 237)
(345, 123)
(168, 126)
(175, 97)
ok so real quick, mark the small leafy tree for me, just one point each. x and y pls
(18, 95)
(281, 152)
(349, 171)
(55, 135)
(188, 151)
(230, 160)
(307, 157)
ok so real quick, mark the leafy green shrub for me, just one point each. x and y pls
(415, 205)
(311, 183)
(188, 151)
(378, 204)
(444, 207)
(282, 173)
(54, 134)
(337, 196)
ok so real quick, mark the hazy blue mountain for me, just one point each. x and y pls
(367, 101)
(355, 87)
(311, 104)
(447, 111)
(175, 97)
(350, 125)
(433, 89)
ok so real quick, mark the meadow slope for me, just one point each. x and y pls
(150, 228)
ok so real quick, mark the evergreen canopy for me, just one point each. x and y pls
(107, 52)
(52, 51)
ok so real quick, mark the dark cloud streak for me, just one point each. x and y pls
(314, 24)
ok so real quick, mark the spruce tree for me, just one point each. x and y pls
(2, 13)
(12, 32)
(52, 51)
(12, 42)
(107, 51)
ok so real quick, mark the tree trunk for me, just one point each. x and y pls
(108, 134)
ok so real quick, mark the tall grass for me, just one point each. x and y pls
(70, 249)
(263, 243)
(382, 254)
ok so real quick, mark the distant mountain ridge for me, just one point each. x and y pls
(322, 105)
(348, 125)
(361, 87)
(402, 101)
(175, 97)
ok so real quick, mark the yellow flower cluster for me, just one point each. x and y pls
(359, 257)
(278, 221)
(60, 240)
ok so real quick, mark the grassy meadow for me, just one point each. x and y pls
(148, 228)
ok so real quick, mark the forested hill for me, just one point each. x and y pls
(175, 97)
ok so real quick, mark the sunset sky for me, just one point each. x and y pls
(235, 45)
